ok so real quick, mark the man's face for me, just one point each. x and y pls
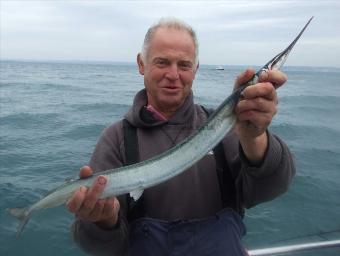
(169, 69)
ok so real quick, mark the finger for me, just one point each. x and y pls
(76, 200)
(97, 213)
(94, 194)
(111, 211)
(276, 77)
(259, 120)
(247, 110)
(265, 90)
(111, 208)
(258, 104)
(85, 172)
(244, 77)
(105, 210)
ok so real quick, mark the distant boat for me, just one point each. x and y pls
(219, 68)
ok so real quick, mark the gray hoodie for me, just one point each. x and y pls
(193, 194)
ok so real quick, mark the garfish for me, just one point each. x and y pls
(135, 178)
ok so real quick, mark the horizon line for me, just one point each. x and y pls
(77, 61)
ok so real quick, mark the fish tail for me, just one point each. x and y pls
(23, 214)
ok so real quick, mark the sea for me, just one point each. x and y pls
(52, 113)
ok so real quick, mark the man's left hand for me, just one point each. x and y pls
(256, 110)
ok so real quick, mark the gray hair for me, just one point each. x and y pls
(169, 23)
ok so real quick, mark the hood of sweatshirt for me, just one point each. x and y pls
(183, 115)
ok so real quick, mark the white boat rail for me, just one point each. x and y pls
(294, 248)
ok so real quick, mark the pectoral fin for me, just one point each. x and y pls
(136, 194)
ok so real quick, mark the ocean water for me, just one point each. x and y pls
(51, 115)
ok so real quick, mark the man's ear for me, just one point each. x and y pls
(196, 68)
(198, 65)
(140, 64)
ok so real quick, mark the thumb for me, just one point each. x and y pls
(85, 172)
(244, 77)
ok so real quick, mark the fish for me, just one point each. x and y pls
(135, 178)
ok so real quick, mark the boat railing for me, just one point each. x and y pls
(286, 250)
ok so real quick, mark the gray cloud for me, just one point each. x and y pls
(230, 32)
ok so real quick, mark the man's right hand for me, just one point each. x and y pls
(86, 205)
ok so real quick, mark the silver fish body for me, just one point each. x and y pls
(156, 170)
(163, 167)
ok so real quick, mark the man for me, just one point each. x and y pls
(185, 215)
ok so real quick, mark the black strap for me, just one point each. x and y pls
(130, 143)
(228, 190)
(136, 208)
(230, 197)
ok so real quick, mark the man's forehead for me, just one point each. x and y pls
(171, 54)
(171, 43)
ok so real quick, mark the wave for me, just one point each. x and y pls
(305, 136)
(27, 120)
(317, 101)
(101, 107)
(84, 131)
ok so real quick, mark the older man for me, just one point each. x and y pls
(187, 215)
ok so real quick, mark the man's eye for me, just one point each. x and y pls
(161, 62)
(185, 65)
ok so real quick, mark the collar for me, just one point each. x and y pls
(183, 115)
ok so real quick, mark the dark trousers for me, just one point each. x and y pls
(217, 235)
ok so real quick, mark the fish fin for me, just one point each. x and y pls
(210, 153)
(136, 194)
(23, 214)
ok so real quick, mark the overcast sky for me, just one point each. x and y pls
(229, 32)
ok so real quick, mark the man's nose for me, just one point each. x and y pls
(172, 72)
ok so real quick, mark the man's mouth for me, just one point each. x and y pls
(171, 89)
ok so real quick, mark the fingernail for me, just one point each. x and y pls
(101, 180)
(264, 75)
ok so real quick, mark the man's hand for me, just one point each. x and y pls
(85, 202)
(256, 110)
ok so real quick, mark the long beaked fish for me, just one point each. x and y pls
(137, 177)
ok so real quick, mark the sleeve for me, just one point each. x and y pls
(87, 235)
(268, 179)
(97, 241)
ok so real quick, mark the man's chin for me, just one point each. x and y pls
(172, 104)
